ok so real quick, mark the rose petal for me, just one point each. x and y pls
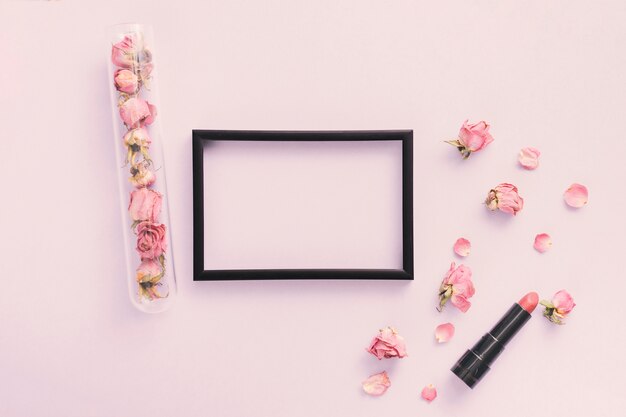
(460, 302)
(376, 384)
(462, 247)
(529, 158)
(152, 110)
(444, 332)
(429, 393)
(563, 301)
(543, 242)
(576, 195)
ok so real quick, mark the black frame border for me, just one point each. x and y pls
(200, 137)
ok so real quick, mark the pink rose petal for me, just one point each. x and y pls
(377, 384)
(576, 195)
(460, 302)
(563, 302)
(153, 113)
(444, 332)
(543, 242)
(529, 158)
(462, 247)
(429, 393)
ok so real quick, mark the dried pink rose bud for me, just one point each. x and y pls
(559, 307)
(377, 384)
(136, 111)
(543, 242)
(457, 287)
(444, 332)
(145, 204)
(153, 113)
(151, 242)
(387, 344)
(149, 273)
(462, 247)
(576, 195)
(124, 53)
(429, 393)
(142, 176)
(504, 197)
(472, 138)
(529, 158)
(126, 81)
(137, 141)
(149, 269)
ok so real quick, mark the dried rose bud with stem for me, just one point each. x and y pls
(559, 307)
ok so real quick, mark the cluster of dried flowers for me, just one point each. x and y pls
(134, 65)
(457, 286)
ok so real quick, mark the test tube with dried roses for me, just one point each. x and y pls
(140, 166)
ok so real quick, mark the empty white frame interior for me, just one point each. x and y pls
(303, 205)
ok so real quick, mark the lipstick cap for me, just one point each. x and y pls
(470, 369)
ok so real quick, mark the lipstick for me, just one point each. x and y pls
(476, 362)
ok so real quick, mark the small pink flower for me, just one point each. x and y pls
(124, 53)
(136, 111)
(137, 141)
(388, 344)
(505, 198)
(151, 241)
(444, 332)
(138, 137)
(377, 384)
(149, 270)
(149, 275)
(146, 70)
(153, 113)
(126, 81)
(543, 242)
(457, 287)
(529, 158)
(145, 204)
(559, 308)
(429, 393)
(576, 195)
(462, 247)
(142, 176)
(472, 138)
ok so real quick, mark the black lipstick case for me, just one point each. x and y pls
(476, 362)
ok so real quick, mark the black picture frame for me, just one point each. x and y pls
(201, 137)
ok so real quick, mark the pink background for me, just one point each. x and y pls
(545, 74)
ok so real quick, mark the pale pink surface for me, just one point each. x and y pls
(444, 332)
(462, 247)
(550, 73)
(576, 195)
